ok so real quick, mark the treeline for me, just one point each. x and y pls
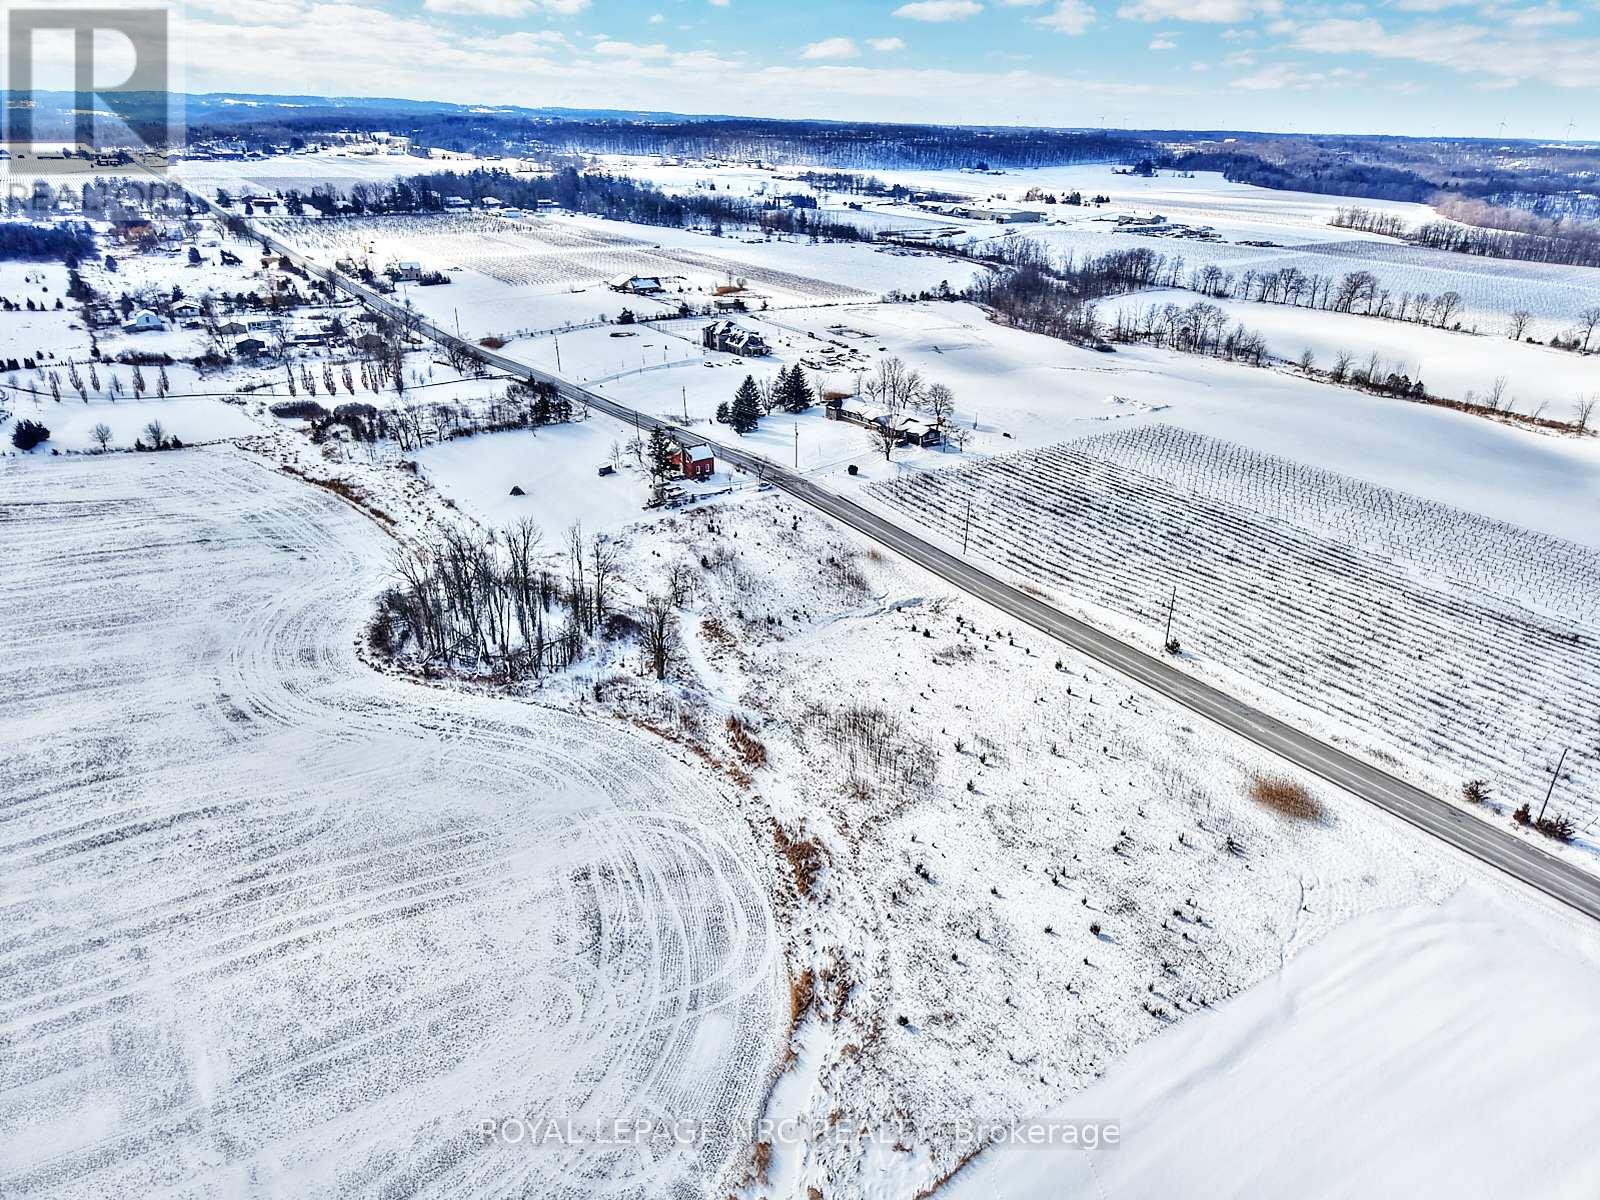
(1198, 328)
(1056, 297)
(24, 242)
(1322, 178)
(598, 194)
(828, 144)
(1488, 231)
(849, 145)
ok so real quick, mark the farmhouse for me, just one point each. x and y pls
(695, 462)
(406, 272)
(914, 431)
(249, 347)
(853, 410)
(144, 321)
(733, 339)
(638, 285)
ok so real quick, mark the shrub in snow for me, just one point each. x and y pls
(26, 434)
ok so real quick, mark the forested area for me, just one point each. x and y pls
(27, 242)
(599, 194)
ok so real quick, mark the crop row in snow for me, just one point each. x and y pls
(1454, 678)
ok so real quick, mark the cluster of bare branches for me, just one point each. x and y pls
(500, 603)
(1199, 328)
(873, 745)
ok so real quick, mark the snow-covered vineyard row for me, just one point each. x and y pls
(1496, 557)
(281, 923)
(1458, 683)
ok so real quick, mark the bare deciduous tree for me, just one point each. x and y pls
(940, 403)
(894, 385)
(660, 631)
(882, 435)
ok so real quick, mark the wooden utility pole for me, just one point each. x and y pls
(1554, 775)
(1171, 604)
(966, 526)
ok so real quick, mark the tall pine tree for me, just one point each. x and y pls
(660, 452)
(793, 392)
(746, 409)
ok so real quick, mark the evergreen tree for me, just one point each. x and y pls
(746, 410)
(793, 391)
(659, 454)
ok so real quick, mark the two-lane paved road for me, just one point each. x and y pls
(1482, 840)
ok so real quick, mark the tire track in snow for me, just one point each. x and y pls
(275, 922)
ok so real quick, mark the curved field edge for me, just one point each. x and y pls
(278, 921)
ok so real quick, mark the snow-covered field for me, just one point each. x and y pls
(560, 258)
(279, 923)
(1294, 224)
(286, 922)
(1020, 390)
(1455, 365)
(1422, 1051)
(337, 168)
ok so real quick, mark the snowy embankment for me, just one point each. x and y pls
(281, 923)
(1420, 1051)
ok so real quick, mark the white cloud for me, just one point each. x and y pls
(834, 47)
(886, 45)
(939, 10)
(615, 49)
(1494, 57)
(480, 8)
(1544, 16)
(1293, 77)
(505, 8)
(1222, 12)
(1164, 42)
(1071, 17)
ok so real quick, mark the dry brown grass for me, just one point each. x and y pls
(715, 632)
(805, 858)
(1286, 797)
(745, 744)
(802, 991)
(347, 492)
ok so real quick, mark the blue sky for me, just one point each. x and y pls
(1400, 66)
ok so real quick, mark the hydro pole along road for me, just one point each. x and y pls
(1468, 834)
